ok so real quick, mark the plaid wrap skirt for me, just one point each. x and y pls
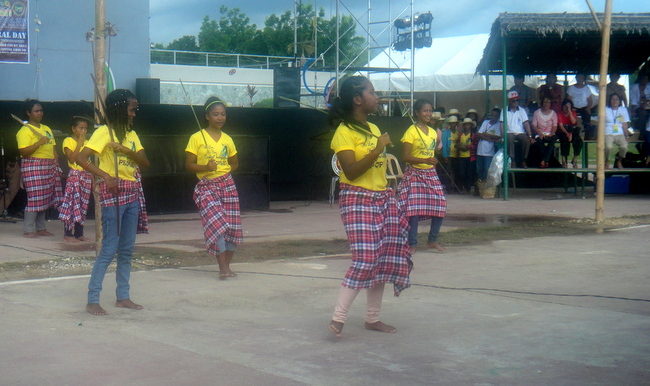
(42, 180)
(377, 233)
(420, 194)
(75, 201)
(129, 191)
(218, 204)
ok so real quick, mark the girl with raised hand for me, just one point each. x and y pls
(78, 185)
(376, 230)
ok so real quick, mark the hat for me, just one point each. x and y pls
(454, 112)
(472, 111)
(452, 119)
(436, 115)
(513, 95)
(470, 121)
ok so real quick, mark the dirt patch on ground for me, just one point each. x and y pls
(148, 257)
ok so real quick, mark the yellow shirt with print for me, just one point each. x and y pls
(361, 144)
(423, 145)
(126, 166)
(26, 137)
(465, 139)
(71, 143)
(453, 150)
(207, 149)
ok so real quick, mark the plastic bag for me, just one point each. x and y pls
(495, 170)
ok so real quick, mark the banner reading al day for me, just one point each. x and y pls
(14, 28)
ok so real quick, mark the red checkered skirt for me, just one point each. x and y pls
(377, 233)
(129, 191)
(218, 204)
(420, 194)
(42, 180)
(75, 201)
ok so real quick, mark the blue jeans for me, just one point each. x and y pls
(436, 223)
(112, 245)
(483, 166)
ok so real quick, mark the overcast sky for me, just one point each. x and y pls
(172, 19)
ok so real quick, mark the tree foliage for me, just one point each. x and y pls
(233, 33)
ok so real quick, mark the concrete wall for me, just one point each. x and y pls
(227, 83)
(61, 58)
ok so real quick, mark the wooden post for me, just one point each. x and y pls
(602, 96)
(99, 63)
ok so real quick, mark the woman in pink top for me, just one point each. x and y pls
(545, 125)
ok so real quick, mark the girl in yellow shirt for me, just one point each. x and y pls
(211, 154)
(78, 185)
(420, 194)
(40, 170)
(375, 228)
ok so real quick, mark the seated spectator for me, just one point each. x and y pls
(616, 119)
(518, 128)
(545, 125)
(569, 133)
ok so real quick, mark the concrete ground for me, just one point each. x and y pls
(539, 311)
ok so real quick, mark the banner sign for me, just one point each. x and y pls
(14, 28)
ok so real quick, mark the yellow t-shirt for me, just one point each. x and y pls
(361, 144)
(26, 137)
(126, 167)
(208, 149)
(71, 143)
(423, 145)
(453, 151)
(467, 140)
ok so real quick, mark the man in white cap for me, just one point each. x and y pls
(518, 128)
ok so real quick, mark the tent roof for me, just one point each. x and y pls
(539, 43)
(448, 65)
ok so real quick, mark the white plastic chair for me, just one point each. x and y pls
(393, 171)
(337, 170)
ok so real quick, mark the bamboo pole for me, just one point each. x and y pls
(99, 58)
(602, 96)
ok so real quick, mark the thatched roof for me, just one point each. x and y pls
(565, 42)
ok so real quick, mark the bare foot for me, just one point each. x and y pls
(70, 239)
(379, 326)
(436, 246)
(30, 235)
(336, 328)
(95, 309)
(127, 303)
(83, 239)
(413, 249)
(225, 275)
(619, 164)
(44, 232)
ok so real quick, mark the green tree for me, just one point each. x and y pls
(233, 33)
(186, 43)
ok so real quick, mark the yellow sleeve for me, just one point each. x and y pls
(99, 139)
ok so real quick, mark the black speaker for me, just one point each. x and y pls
(147, 90)
(286, 87)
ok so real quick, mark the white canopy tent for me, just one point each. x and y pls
(448, 65)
